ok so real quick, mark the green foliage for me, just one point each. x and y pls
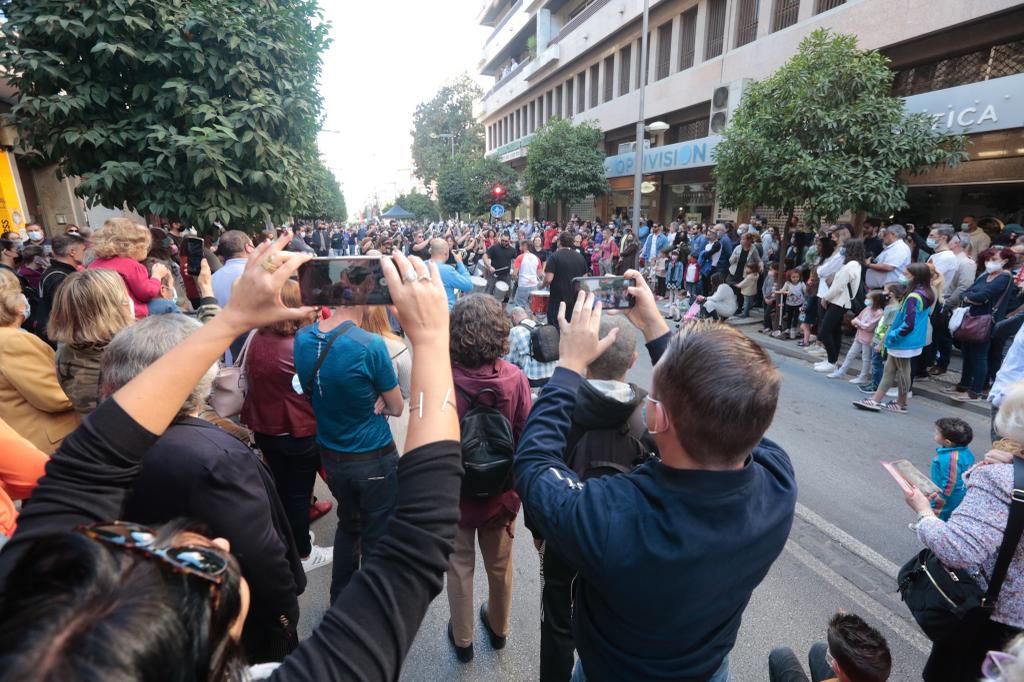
(452, 190)
(420, 205)
(322, 198)
(565, 162)
(195, 109)
(823, 131)
(450, 111)
(481, 177)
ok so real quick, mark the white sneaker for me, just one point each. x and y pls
(824, 367)
(312, 538)
(861, 379)
(318, 558)
(838, 374)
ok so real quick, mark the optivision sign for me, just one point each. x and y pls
(689, 154)
(996, 104)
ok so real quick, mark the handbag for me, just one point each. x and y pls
(945, 602)
(231, 384)
(957, 318)
(978, 328)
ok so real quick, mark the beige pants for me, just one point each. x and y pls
(496, 550)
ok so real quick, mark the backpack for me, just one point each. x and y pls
(858, 301)
(615, 450)
(543, 342)
(487, 446)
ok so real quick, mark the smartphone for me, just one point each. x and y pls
(344, 280)
(194, 253)
(611, 291)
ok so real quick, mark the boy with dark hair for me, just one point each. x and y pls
(856, 652)
(952, 459)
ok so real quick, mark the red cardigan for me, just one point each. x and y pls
(141, 287)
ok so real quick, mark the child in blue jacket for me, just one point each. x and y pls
(952, 459)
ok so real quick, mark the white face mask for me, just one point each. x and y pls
(965, 227)
(35, 235)
(993, 266)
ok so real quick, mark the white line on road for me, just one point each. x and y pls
(848, 541)
(854, 593)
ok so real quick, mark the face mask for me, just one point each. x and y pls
(174, 296)
(932, 243)
(993, 266)
(28, 308)
(35, 235)
(903, 280)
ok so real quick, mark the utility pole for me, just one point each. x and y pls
(638, 163)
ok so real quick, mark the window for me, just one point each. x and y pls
(558, 101)
(624, 66)
(664, 53)
(746, 23)
(569, 101)
(595, 74)
(548, 111)
(581, 92)
(687, 38)
(692, 130)
(785, 14)
(995, 61)
(579, 9)
(825, 5)
(609, 78)
(715, 40)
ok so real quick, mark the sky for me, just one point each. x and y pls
(387, 56)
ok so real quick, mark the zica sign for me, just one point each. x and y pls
(997, 104)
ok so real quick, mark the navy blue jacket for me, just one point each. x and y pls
(668, 558)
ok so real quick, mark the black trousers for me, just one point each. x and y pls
(294, 462)
(830, 331)
(556, 642)
(938, 351)
(783, 665)
(960, 659)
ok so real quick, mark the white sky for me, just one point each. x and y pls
(387, 57)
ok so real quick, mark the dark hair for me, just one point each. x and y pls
(710, 373)
(826, 249)
(920, 276)
(854, 250)
(955, 430)
(991, 253)
(566, 239)
(877, 299)
(479, 331)
(232, 243)
(63, 243)
(30, 252)
(717, 280)
(859, 649)
(76, 609)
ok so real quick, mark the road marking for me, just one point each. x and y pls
(858, 596)
(848, 541)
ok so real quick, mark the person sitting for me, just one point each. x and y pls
(721, 305)
(721, 495)
(112, 601)
(520, 349)
(952, 460)
(855, 652)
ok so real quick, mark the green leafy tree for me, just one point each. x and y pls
(422, 206)
(199, 110)
(565, 162)
(481, 177)
(824, 132)
(450, 111)
(452, 190)
(323, 199)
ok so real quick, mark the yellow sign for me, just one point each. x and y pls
(12, 211)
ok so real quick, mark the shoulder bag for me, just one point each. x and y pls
(231, 384)
(947, 602)
(307, 385)
(978, 328)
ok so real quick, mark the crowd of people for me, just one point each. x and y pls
(163, 432)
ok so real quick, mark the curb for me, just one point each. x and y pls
(782, 348)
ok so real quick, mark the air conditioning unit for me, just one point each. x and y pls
(629, 147)
(724, 101)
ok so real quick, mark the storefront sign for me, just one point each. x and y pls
(997, 104)
(512, 150)
(689, 154)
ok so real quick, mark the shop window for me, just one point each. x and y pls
(715, 41)
(825, 5)
(996, 61)
(624, 65)
(664, 51)
(746, 22)
(609, 78)
(785, 14)
(687, 38)
(595, 75)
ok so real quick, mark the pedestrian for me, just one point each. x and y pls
(748, 288)
(952, 459)
(892, 294)
(864, 324)
(561, 268)
(674, 283)
(378, 321)
(526, 270)
(793, 291)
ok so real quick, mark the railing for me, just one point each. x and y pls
(507, 77)
(575, 22)
(501, 24)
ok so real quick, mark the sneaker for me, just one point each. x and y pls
(318, 558)
(801, 343)
(825, 367)
(893, 406)
(838, 374)
(776, 335)
(868, 404)
(766, 330)
(818, 365)
(860, 379)
(869, 388)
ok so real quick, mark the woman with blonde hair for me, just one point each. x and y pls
(377, 321)
(120, 245)
(34, 404)
(88, 309)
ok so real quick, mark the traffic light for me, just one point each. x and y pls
(498, 191)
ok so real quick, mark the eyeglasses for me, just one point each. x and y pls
(204, 563)
(659, 412)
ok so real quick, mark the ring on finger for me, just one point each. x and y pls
(425, 276)
(410, 275)
(268, 265)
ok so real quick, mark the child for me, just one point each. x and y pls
(795, 291)
(952, 459)
(692, 278)
(892, 295)
(865, 324)
(768, 294)
(673, 283)
(748, 287)
(660, 266)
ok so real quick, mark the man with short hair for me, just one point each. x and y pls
(979, 240)
(68, 256)
(453, 278)
(498, 262)
(320, 240)
(887, 266)
(234, 248)
(561, 268)
(856, 652)
(869, 233)
(652, 600)
(520, 352)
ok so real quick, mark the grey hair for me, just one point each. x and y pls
(965, 241)
(614, 362)
(138, 346)
(520, 311)
(898, 230)
(944, 230)
(1009, 421)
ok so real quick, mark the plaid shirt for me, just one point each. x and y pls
(519, 353)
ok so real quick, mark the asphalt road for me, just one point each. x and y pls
(849, 537)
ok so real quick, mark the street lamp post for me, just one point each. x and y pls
(638, 171)
(451, 139)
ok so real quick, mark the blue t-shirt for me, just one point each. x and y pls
(357, 369)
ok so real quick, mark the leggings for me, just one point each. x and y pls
(897, 370)
(830, 331)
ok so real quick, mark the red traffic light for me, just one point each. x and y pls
(498, 190)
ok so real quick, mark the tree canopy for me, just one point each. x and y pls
(824, 132)
(422, 206)
(322, 198)
(565, 162)
(481, 177)
(450, 111)
(453, 189)
(197, 110)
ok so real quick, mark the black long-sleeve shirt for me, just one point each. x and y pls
(369, 628)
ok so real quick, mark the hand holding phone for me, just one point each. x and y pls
(611, 291)
(343, 281)
(194, 254)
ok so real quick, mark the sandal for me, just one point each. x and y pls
(893, 406)
(868, 404)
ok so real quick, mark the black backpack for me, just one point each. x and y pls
(543, 342)
(615, 450)
(858, 301)
(487, 446)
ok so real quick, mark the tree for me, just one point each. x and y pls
(565, 162)
(452, 190)
(482, 175)
(196, 110)
(449, 112)
(823, 132)
(323, 199)
(420, 205)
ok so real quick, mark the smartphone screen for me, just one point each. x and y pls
(194, 253)
(611, 291)
(347, 280)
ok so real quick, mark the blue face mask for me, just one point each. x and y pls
(932, 243)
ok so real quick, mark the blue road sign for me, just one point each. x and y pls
(497, 210)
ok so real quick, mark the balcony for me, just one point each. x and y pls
(578, 20)
(492, 12)
(508, 39)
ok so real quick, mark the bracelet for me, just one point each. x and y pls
(444, 404)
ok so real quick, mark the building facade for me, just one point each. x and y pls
(960, 60)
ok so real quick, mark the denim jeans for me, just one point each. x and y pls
(721, 675)
(748, 304)
(783, 665)
(975, 369)
(366, 492)
(522, 298)
(877, 367)
(294, 463)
